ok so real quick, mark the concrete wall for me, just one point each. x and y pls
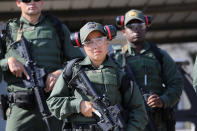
(182, 51)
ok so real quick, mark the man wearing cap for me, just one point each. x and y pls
(155, 72)
(49, 51)
(107, 80)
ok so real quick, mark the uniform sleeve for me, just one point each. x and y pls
(59, 102)
(71, 52)
(137, 117)
(173, 81)
(4, 64)
(195, 76)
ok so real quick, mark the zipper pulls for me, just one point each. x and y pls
(145, 76)
(145, 80)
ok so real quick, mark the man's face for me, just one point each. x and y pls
(135, 31)
(31, 8)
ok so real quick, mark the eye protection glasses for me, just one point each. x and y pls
(92, 42)
(28, 1)
(136, 26)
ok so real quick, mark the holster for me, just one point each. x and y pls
(23, 99)
(4, 104)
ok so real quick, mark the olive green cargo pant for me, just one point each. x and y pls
(19, 119)
(160, 123)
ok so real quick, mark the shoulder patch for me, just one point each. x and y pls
(13, 23)
(14, 20)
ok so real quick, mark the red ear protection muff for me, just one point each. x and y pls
(75, 39)
(148, 20)
(110, 31)
(120, 21)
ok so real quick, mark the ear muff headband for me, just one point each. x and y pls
(146, 19)
(77, 39)
(122, 21)
(108, 32)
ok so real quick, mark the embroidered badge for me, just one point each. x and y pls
(132, 13)
(91, 25)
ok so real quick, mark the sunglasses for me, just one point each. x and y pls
(136, 26)
(28, 1)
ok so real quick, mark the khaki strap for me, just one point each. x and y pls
(20, 32)
(124, 48)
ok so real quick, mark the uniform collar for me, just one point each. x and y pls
(108, 62)
(23, 20)
(131, 51)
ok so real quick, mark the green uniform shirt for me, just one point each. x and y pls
(195, 76)
(150, 75)
(45, 47)
(106, 79)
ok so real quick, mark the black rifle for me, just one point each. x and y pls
(145, 95)
(36, 78)
(109, 116)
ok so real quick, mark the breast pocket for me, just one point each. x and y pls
(112, 87)
(152, 65)
(44, 38)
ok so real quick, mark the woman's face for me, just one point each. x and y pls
(96, 46)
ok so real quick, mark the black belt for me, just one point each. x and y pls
(23, 99)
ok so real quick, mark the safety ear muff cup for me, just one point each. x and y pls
(110, 31)
(148, 20)
(120, 21)
(75, 39)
